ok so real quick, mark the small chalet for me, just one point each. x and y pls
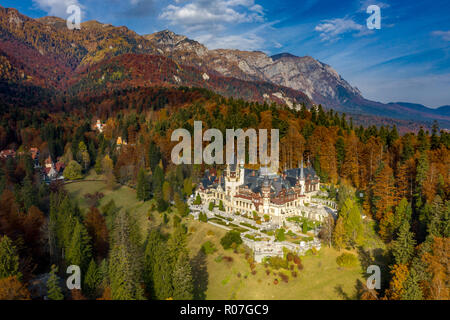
(99, 126)
(121, 142)
(5, 154)
(53, 171)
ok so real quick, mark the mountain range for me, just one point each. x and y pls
(44, 53)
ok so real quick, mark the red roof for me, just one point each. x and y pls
(59, 166)
(7, 153)
(34, 152)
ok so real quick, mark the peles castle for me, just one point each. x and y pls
(247, 191)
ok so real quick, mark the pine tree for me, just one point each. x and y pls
(403, 212)
(166, 191)
(79, 251)
(53, 289)
(29, 193)
(403, 246)
(92, 279)
(9, 259)
(125, 265)
(221, 207)
(98, 164)
(157, 180)
(162, 273)
(198, 200)
(153, 240)
(183, 287)
(412, 289)
(142, 188)
(176, 243)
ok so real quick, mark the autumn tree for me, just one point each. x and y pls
(95, 224)
(396, 289)
(383, 191)
(12, 289)
(326, 232)
(438, 266)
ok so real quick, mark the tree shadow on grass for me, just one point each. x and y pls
(200, 275)
(340, 291)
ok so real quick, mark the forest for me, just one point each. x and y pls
(399, 184)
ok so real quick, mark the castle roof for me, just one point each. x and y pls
(255, 180)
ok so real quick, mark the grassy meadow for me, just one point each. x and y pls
(227, 275)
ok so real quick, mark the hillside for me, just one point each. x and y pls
(38, 55)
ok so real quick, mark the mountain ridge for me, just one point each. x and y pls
(319, 81)
(50, 51)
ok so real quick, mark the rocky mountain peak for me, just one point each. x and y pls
(169, 42)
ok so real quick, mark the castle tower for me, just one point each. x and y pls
(301, 179)
(265, 191)
(234, 178)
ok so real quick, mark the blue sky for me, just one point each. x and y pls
(408, 59)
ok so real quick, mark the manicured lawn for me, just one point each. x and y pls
(321, 277)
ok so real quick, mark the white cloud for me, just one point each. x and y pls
(247, 42)
(445, 35)
(212, 14)
(331, 30)
(56, 7)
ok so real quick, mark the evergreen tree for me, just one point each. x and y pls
(9, 259)
(403, 246)
(162, 273)
(79, 251)
(53, 289)
(92, 279)
(153, 240)
(98, 164)
(403, 213)
(154, 155)
(157, 180)
(183, 288)
(28, 194)
(125, 265)
(198, 200)
(176, 243)
(142, 189)
(412, 290)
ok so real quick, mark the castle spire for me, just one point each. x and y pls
(302, 174)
